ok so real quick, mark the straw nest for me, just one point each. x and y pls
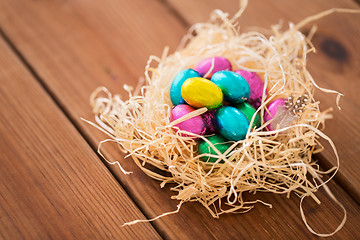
(280, 161)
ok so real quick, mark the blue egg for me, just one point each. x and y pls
(175, 90)
(234, 87)
(231, 123)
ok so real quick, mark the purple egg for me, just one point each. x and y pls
(209, 121)
(194, 125)
(273, 110)
(256, 87)
(220, 63)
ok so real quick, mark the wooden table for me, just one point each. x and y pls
(53, 185)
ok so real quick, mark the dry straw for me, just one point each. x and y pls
(279, 161)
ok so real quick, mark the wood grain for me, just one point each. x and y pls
(52, 185)
(336, 65)
(76, 46)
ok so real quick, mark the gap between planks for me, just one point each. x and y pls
(47, 194)
(74, 123)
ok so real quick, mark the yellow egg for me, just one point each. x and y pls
(200, 92)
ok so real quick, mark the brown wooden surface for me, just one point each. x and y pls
(75, 46)
(52, 185)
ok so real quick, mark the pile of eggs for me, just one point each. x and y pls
(231, 98)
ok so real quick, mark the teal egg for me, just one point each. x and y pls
(175, 89)
(231, 123)
(249, 111)
(219, 142)
(234, 87)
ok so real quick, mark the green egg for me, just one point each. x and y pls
(249, 111)
(219, 142)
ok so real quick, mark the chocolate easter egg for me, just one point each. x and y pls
(194, 125)
(200, 92)
(175, 89)
(273, 109)
(256, 87)
(219, 142)
(209, 121)
(234, 87)
(216, 63)
(249, 112)
(231, 123)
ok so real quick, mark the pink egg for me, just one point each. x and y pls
(220, 63)
(273, 110)
(209, 121)
(194, 125)
(256, 86)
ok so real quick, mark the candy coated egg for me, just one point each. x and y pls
(234, 87)
(219, 142)
(273, 109)
(256, 87)
(220, 63)
(208, 118)
(231, 123)
(194, 125)
(175, 90)
(249, 112)
(200, 92)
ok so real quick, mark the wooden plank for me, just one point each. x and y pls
(336, 65)
(52, 185)
(74, 41)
